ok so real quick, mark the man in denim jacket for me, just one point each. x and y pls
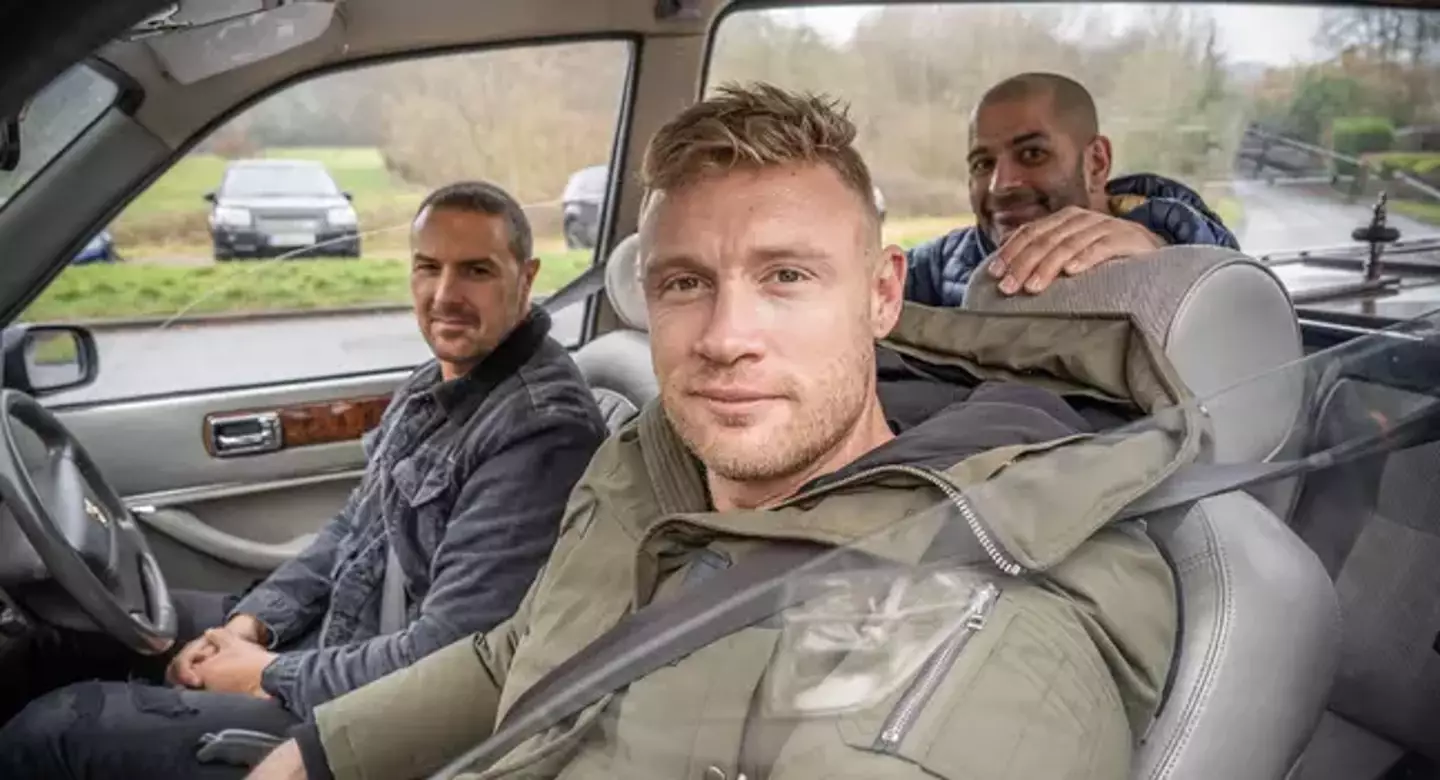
(467, 476)
(1044, 202)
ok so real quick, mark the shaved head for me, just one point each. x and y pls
(1070, 103)
(1035, 148)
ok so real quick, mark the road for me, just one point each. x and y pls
(196, 357)
(1279, 217)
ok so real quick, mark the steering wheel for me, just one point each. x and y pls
(82, 532)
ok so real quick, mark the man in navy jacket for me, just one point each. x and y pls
(1044, 202)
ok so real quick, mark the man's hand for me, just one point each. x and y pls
(181, 670)
(1070, 241)
(236, 665)
(249, 628)
(283, 763)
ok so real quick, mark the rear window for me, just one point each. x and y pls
(262, 180)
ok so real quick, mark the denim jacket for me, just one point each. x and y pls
(940, 269)
(468, 479)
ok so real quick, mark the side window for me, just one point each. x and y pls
(278, 249)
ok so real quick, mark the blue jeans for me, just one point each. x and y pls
(140, 727)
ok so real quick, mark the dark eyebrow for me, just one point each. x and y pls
(1025, 138)
(487, 260)
(789, 252)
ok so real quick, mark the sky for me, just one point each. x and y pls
(1271, 35)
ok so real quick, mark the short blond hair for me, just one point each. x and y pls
(752, 127)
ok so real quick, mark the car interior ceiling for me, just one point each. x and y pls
(1375, 526)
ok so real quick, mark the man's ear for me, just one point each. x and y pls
(528, 271)
(1099, 157)
(887, 294)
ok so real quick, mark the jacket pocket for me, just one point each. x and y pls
(423, 482)
(421, 478)
(1020, 698)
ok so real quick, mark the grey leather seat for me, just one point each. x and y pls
(1259, 635)
(617, 364)
(1375, 524)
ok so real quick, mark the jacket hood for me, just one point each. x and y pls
(1039, 483)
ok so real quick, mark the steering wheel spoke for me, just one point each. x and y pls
(82, 531)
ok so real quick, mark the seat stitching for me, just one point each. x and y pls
(1198, 699)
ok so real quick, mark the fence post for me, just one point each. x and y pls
(1264, 152)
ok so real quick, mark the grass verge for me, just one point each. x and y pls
(149, 290)
(1424, 211)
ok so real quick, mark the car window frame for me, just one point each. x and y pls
(125, 99)
(605, 239)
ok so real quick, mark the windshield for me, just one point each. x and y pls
(1288, 120)
(259, 181)
(870, 645)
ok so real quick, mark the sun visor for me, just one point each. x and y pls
(192, 50)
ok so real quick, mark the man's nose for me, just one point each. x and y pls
(736, 326)
(1008, 175)
(447, 286)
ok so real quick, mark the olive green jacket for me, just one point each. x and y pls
(1037, 652)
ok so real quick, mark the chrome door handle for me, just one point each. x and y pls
(245, 434)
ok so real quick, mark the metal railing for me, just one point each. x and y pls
(1359, 181)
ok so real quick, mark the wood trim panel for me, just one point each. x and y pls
(309, 424)
(332, 421)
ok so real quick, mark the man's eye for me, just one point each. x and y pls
(787, 276)
(1032, 156)
(981, 167)
(681, 284)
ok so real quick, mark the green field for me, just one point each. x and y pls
(172, 211)
(141, 290)
(165, 241)
(361, 172)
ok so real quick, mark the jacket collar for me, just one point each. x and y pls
(460, 397)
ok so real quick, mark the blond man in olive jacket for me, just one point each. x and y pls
(767, 288)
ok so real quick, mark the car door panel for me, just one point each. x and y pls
(220, 519)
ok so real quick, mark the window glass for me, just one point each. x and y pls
(53, 119)
(278, 249)
(1288, 120)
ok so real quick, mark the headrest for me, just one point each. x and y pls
(1221, 317)
(622, 283)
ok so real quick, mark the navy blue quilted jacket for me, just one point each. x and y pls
(940, 269)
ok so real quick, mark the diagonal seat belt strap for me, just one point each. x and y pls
(756, 587)
(766, 582)
(392, 594)
(1203, 480)
(591, 281)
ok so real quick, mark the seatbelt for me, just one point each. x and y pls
(765, 582)
(591, 281)
(392, 593)
(1197, 481)
(755, 588)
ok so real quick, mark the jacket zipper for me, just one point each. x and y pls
(957, 498)
(898, 723)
